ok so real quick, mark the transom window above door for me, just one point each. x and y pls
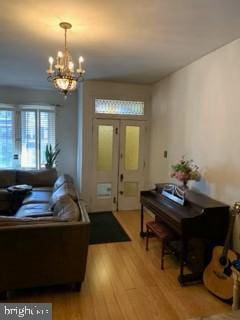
(119, 107)
(24, 133)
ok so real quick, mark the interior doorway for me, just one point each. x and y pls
(118, 164)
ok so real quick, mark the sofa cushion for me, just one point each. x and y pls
(65, 178)
(7, 178)
(5, 208)
(49, 189)
(37, 178)
(65, 189)
(5, 195)
(34, 210)
(67, 209)
(5, 201)
(12, 221)
(38, 197)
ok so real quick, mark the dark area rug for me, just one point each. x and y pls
(105, 228)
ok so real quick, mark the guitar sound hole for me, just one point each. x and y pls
(228, 270)
(223, 261)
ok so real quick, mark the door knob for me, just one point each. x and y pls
(121, 192)
(121, 177)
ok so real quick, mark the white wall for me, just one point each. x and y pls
(105, 90)
(80, 139)
(66, 121)
(196, 112)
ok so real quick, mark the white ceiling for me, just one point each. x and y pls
(137, 41)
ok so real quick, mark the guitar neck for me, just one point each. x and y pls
(229, 235)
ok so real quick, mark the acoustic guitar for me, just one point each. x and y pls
(217, 277)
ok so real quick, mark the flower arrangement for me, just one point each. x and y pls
(185, 170)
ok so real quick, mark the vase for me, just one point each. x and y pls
(185, 186)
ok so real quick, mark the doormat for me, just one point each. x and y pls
(105, 228)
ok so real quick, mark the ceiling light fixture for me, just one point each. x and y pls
(62, 74)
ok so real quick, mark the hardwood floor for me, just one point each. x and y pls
(123, 281)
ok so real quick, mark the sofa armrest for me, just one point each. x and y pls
(43, 254)
(83, 211)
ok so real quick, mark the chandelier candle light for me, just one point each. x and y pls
(62, 74)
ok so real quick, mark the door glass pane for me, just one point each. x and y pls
(105, 146)
(130, 189)
(104, 190)
(29, 143)
(132, 147)
(6, 138)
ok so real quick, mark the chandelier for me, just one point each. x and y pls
(62, 73)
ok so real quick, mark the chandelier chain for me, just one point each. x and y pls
(65, 38)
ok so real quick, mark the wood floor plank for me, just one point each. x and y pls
(124, 282)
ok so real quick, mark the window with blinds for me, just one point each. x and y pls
(6, 138)
(28, 139)
(24, 134)
(47, 133)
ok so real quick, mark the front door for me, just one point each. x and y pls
(131, 164)
(118, 164)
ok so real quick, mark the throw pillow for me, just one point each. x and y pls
(65, 178)
(65, 189)
(67, 209)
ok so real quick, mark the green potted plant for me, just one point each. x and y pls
(51, 155)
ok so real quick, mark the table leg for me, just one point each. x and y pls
(142, 233)
(183, 254)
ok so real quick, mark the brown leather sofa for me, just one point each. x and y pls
(46, 241)
(40, 180)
